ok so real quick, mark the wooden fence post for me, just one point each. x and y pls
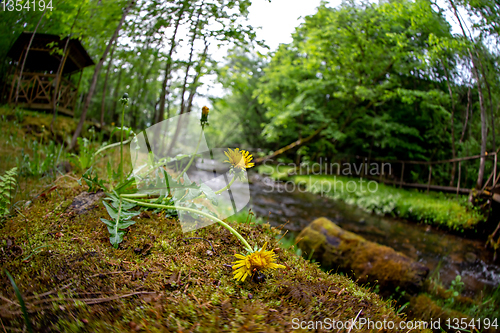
(459, 176)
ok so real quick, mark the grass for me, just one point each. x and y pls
(434, 208)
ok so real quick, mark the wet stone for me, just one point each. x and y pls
(470, 257)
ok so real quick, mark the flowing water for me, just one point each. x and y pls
(444, 254)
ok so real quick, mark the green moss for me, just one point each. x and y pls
(424, 308)
(368, 262)
(483, 305)
(157, 280)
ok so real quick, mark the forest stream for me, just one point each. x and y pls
(444, 254)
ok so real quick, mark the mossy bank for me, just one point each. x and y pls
(438, 209)
(159, 279)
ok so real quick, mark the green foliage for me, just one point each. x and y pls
(456, 288)
(387, 79)
(19, 115)
(372, 87)
(121, 216)
(485, 305)
(85, 157)
(8, 183)
(237, 118)
(92, 180)
(44, 160)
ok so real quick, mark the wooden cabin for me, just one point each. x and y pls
(38, 79)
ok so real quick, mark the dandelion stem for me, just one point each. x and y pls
(227, 187)
(192, 157)
(111, 146)
(221, 190)
(137, 195)
(121, 144)
(219, 221)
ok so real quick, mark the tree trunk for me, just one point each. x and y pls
(190, 63)
(96, 73)
(194, 84)
(143, 87)
(103, 99)
(115, 95)
(482, 161)
(188, 67)
(466, 115)
(453, 148)
(26, 56)
(483, 72)
(161, 110)
(290, 146)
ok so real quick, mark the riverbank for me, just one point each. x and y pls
(437, 209)
(72, 279)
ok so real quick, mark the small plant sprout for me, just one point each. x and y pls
(203, 122)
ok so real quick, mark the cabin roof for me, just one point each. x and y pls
(41, 57)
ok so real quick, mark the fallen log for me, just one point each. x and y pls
(367, 261)
(290, 146)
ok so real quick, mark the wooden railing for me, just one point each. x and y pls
(492, 181)
(492, 184)
(36, 91)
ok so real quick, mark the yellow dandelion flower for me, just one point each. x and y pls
(239, 159)
(261, 260)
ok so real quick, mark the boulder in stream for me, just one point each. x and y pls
(369, 262)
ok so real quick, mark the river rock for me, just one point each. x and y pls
(369, 262)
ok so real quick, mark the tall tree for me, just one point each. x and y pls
(96, 73)
(104, 89)
(168, 65)
(475, 72)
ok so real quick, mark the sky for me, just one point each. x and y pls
(274, 23)
(279, 18)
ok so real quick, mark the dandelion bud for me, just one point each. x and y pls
(124, 99)
(204, 111)
(204, 116)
